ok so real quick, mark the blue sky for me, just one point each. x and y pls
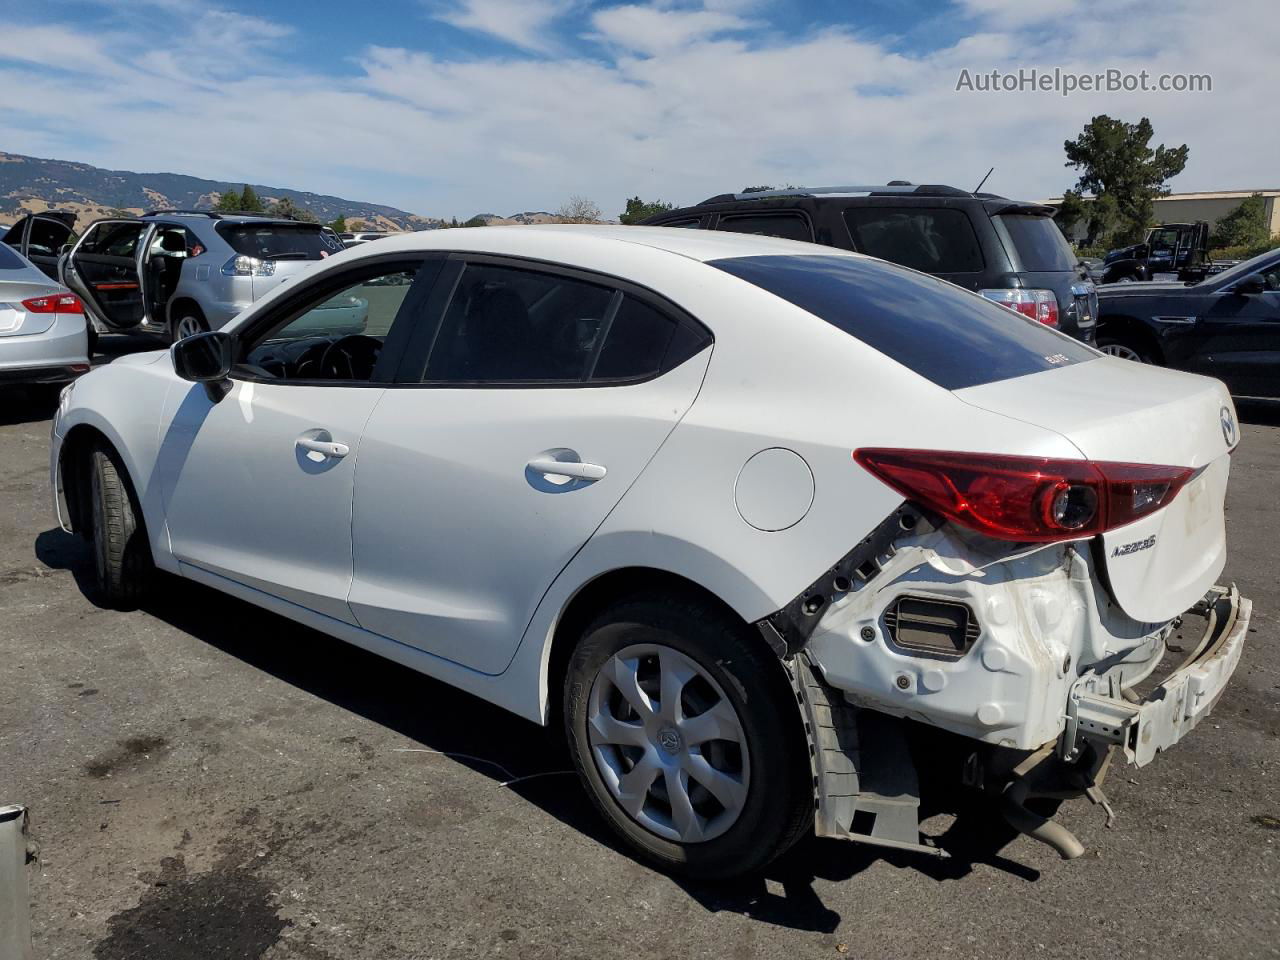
(452, 107)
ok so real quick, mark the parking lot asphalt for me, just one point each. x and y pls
(207, 780)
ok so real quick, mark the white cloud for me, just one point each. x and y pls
(678, 109)
(522, 23)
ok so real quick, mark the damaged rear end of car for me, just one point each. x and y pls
(1061, 613)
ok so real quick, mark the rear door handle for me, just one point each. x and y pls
(570, 468)
(325, 448)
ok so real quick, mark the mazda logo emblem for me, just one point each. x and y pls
(1228, 422)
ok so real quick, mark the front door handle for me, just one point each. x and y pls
(325, 448)
(568, 468)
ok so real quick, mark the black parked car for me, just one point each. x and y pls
(40, 238)
(1007, 250)
(1227, 326)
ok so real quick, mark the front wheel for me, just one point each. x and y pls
(122, 556)
(685, 733)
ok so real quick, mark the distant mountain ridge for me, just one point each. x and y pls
(32, 184)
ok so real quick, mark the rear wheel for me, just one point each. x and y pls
(122, 557)
(686, 736)
(187, 323)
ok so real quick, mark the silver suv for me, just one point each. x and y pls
(179, 272)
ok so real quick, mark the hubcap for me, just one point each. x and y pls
(1121, 351)
(187, 327)
(668, 744)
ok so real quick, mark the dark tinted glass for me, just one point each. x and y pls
(277, 241)
(687, 224)
(636, 343)
(47, 236)
(934, 241)
(113, 239)
(789, 226)
(9, 260)
(950, 336)
(506, 325)
(1039, 243)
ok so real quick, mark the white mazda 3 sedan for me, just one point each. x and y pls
(740, 512)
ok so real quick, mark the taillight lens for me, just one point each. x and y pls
(1026, 499)
(242, 266)
(56, 303)
(1038, 305)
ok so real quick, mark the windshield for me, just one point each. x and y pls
(944, 333)
(277, 241)
(1039, 244)
(1243, 269)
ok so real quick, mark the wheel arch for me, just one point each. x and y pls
(1130, 330)
(176, 306)
(607, 589)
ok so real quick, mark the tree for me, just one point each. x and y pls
(285, 208)
(1245, 226)
(1116, 162)
(579, 210)
(339, 224)
(476, 221)
(228, 201)
(1071, 211)
(638, 210)
(249, 201)
(756, 189)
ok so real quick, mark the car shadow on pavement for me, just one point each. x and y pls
(1259, 412)
(533, 761)
(20, 405)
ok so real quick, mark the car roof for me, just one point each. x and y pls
(564, 241)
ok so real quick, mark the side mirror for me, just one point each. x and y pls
(1250, 285)
(204, 358)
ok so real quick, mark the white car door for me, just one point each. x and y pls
(258, 485)
(544, 395)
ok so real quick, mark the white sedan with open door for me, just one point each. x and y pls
(737, 511)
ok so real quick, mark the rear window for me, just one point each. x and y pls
(9, 259)
(277, 241)
(947, 335)
(1038, 243)
(934, 241)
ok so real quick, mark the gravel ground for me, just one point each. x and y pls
(209, 781)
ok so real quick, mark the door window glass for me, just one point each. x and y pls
(47, 236)
(507, 325)
(635, 344)
(933, 241)
(338, 336)
(788, 226)
(112, 239)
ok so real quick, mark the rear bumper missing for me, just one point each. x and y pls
(1144, 725)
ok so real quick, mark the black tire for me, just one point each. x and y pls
(778, 808)
(122, 557)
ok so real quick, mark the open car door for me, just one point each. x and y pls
(105, 269)
(40, 238)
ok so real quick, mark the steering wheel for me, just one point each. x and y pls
(352, 357)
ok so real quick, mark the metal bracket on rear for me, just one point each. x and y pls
(864, 783)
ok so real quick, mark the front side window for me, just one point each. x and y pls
(338, 336)
(47, 236)
(952, 337)
(788, 226)
(932, 241)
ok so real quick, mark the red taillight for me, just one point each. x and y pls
(56, 303)
(1026, 499)
(1038, 305)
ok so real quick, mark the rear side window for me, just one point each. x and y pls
(933, 241)
(276, 241)
(113, 239)
(690, 224)
(1038, 244)
(788, 226)
(9, 260)
(635, 343)
(949, 336)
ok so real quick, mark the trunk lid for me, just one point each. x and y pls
(1111, 409)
